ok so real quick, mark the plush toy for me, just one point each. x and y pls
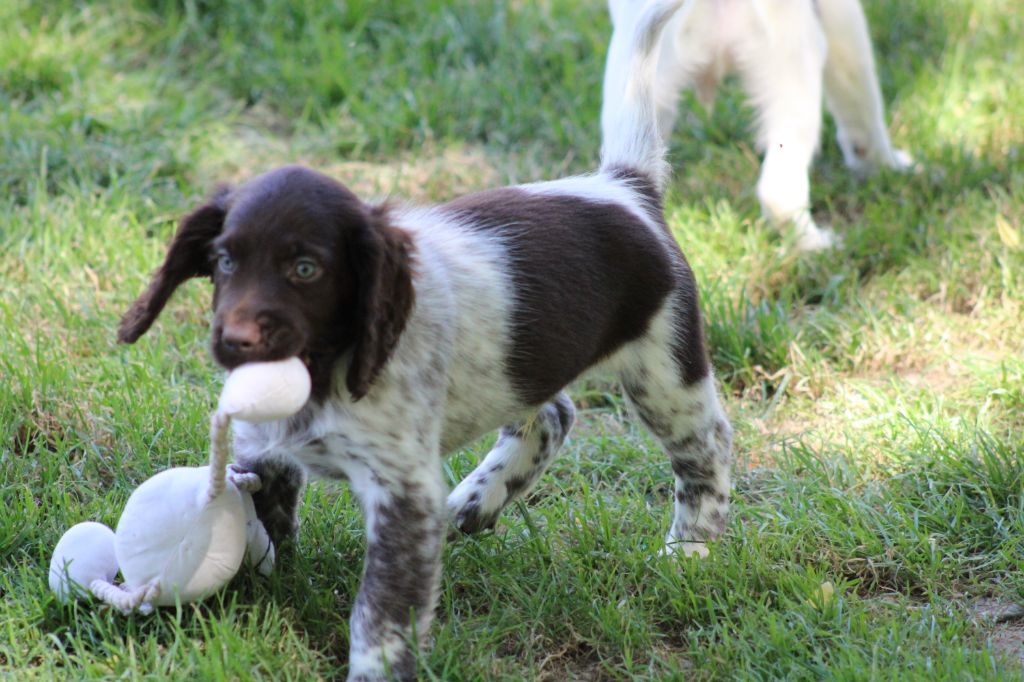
(184, 532)
(85, 553)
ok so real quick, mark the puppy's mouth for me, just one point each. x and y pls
(230, 357)
(318, 355)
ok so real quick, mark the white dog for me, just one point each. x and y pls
(783, 52)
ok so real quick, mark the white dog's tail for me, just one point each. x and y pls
(629, 121)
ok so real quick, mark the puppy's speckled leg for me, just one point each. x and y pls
(681, 408)
(512, 467)
(404, 510)
(280, 482)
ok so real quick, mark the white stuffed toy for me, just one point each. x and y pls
(184, 532)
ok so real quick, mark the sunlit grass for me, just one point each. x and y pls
(877, 390)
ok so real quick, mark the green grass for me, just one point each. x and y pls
(877, 391)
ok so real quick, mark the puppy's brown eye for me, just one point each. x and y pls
(306, 269)
(225, 263)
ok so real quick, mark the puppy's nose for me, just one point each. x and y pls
(241, 337)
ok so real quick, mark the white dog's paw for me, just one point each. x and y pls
(696, 550)
(901, 160)
(810, 237)
(246, 481)
(819, 240)
(870, 163)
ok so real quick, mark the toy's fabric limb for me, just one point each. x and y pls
(124, 600)
(219, 433)
(108, 593)
(150, 593)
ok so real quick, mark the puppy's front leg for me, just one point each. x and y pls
(403, 503)
(276, 483)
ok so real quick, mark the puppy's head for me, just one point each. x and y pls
(300, 266)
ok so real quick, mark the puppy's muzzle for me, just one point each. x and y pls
(239, 338)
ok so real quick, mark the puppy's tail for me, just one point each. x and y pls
(629, 121)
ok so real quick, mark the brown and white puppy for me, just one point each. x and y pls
(425, 328)
(786, 53)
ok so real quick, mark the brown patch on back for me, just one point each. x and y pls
(689, 346)
(588, 277)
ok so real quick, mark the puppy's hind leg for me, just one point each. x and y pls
(672, 390)
(852, 92)
(512, 467)
(781, 66)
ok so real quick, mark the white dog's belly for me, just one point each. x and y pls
(707, 37)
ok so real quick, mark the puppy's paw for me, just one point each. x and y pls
(697, 550)
(473, 507)
(244, 480)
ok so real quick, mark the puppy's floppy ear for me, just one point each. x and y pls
(381, 258)
(187, 256)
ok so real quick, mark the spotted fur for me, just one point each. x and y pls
(425, 328)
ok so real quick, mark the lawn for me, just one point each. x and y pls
(877, 390)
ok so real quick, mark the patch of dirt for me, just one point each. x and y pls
(570, 665)
(579, 664)
(992, 610)
(1002, 623)
(1008, 642)
(38, 434)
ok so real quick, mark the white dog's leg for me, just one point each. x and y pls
(781, 62)
(852, 92)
